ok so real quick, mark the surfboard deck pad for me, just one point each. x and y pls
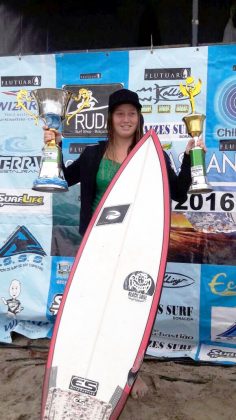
(65, 405)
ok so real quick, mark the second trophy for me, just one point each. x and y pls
(194, 124)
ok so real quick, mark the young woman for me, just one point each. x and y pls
(97, 165)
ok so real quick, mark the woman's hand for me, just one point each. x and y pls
(51, 135)
(191, 143)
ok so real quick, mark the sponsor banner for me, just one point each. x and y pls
(25, 267)
(61, 267)
(217, 354)
(175, 331)
(66, 208)
(157, 77)
(21, 139)
(39, 231)
(217, 304)
(220, 129)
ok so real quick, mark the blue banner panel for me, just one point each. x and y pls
(221, 114)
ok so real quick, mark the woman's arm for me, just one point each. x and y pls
(179, 184)
(72, 172)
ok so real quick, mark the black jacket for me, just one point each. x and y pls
(84, 170)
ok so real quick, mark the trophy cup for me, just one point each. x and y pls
(194, 123)
(52, 105)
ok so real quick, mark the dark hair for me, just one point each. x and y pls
(137, 135)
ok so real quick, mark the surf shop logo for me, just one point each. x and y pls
(19, 251)
(114, 214)
(84, 385)
(215, 353)
(87, 110)
(176, 280)
(20, 200)
(20, 242)
(139, 285)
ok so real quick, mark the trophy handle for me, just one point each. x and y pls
(24, 96)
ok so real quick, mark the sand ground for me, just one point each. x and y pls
(177, 391)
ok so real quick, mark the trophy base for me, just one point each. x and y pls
(50, 185)
(200, 186)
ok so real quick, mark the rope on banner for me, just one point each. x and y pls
(195, 23)
(151, 49)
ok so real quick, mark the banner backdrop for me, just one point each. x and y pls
(39, 236)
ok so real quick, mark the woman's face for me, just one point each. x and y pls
(125, 120)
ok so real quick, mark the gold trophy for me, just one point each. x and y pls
(194, 123)
(52, 106)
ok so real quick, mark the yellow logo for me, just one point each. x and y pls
(221, 286)
(84, 100)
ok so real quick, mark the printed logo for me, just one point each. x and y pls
(222, 286)
(55, 304)
(164, 131)
(114, 214)
(177, 312)
(227, 145)
(225, 102)
(20, 242)
(139, 285)
(13, 304)
(20, 164)
(182, 108)
(21, 200)
(228, 334)
(164, 109)
(176, 280)
(84, 385)
(78, 148)
(63, 268)
(90, 76)
(87, 111)
(13, 81)
(167, 74)
(146, 109)
(157, 93)
(215, 353)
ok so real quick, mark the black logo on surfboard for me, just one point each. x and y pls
(139, 285)
(87, 386)
(113, 214)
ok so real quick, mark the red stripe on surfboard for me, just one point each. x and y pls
(156, 298)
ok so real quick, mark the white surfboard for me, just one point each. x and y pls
(110, 301)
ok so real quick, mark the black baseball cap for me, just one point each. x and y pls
(123, 96)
